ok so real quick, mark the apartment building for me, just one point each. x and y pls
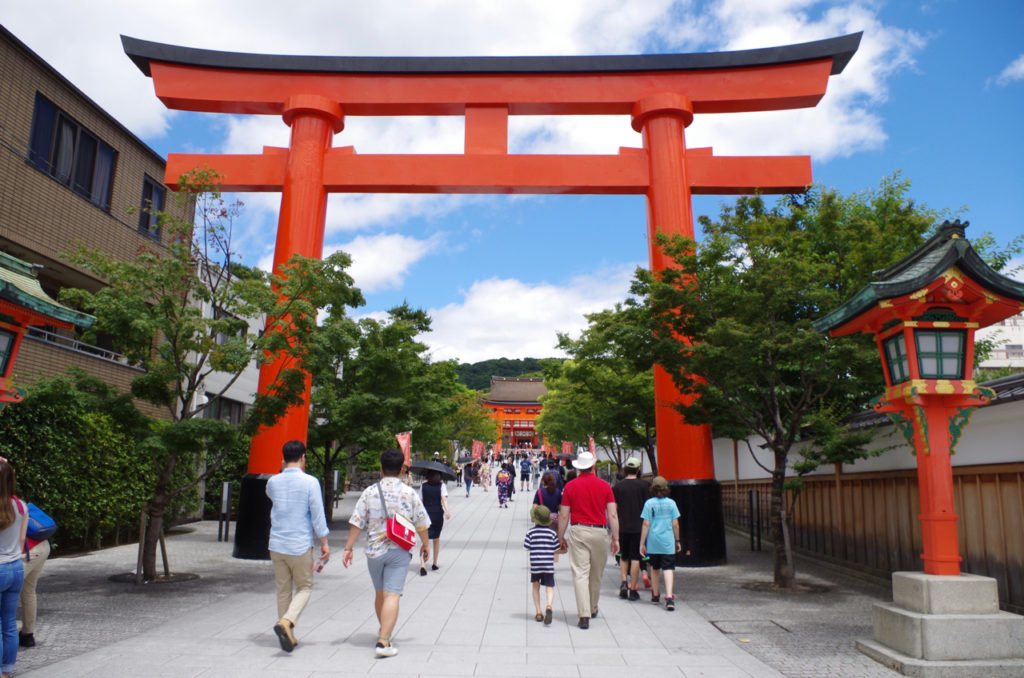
(70, 173)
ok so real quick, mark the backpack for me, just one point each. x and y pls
(40, 526)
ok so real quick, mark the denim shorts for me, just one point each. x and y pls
(388, 570)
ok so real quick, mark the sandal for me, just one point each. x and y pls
(547, 616)
(539, 617)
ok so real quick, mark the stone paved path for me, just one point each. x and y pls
(473, 617)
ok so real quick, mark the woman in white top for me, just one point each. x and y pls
(12, 572)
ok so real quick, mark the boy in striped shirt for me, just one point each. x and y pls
(542, 543)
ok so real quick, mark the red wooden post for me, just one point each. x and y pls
(300, 230)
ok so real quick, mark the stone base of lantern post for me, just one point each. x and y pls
(946, 627)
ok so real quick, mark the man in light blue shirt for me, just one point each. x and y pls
(296, 516)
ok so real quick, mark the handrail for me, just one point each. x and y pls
(72, 344)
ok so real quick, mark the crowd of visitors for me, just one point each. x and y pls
(572, 511)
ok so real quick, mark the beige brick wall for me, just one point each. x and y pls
(42, 215)
(38, 359)
(41, 218)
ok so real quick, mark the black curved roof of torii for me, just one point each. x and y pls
(839, 49)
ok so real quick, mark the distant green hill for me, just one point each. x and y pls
(477, 376)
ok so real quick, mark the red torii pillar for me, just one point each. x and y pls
(662, 93)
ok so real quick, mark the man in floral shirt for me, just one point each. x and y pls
(387, 562)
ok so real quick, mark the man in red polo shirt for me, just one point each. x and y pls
(588, 510)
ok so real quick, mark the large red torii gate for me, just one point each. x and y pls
(661, 93)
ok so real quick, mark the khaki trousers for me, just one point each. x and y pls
(588, 554)
(37, 556)
(292, 572)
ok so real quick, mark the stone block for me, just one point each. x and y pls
(972, 636)
(939, 637)
(923, 668)
(938, 594)
(897, 628)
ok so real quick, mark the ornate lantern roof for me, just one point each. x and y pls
(946, 271)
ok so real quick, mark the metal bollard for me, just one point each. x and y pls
(224, 521)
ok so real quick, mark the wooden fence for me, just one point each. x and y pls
(869, 521)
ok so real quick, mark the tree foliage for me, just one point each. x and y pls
(373, 379)
(746, 296)
(606, 388)
(177, 312)
(477, 376)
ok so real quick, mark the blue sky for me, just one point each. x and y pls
(936, 91)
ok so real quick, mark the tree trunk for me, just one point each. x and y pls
(784, 571)
(155, 528)
(328, 483)
(652, 457)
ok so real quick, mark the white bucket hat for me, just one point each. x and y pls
(584, 460)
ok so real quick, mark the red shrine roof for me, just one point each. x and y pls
(516, 391)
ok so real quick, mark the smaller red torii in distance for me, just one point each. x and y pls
(661, 93)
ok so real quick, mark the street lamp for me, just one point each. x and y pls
(923, 312)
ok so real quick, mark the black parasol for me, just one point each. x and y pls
(464, 460)
(424, 466)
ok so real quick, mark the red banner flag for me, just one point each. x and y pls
(405, 442)
(544, 450)
(478, 449)
(566, 447)
(590, 442)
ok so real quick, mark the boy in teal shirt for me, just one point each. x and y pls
(659, 539)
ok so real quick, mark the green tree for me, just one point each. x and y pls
(177, 313)
(607, 387)
(746, 295)
(372, 380)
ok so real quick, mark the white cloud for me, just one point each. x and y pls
(513, 319)
(381, 262)
(1012, 73)
(93, 59)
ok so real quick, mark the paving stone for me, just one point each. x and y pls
(474, 616)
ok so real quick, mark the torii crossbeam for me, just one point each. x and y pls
(661, 93)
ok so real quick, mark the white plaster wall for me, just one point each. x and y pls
(995, 435)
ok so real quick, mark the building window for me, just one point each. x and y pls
(896, 358)
(152, 202)
(1014, 351)
(6, 346)
(940, 354)
(225, 409)
(71, 154)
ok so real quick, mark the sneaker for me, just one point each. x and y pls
(647, 580)
(655, 599)
(285, 637)
(383, 650)
(634, 594)
(624, 590)
(670, 604)
(26, 640)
